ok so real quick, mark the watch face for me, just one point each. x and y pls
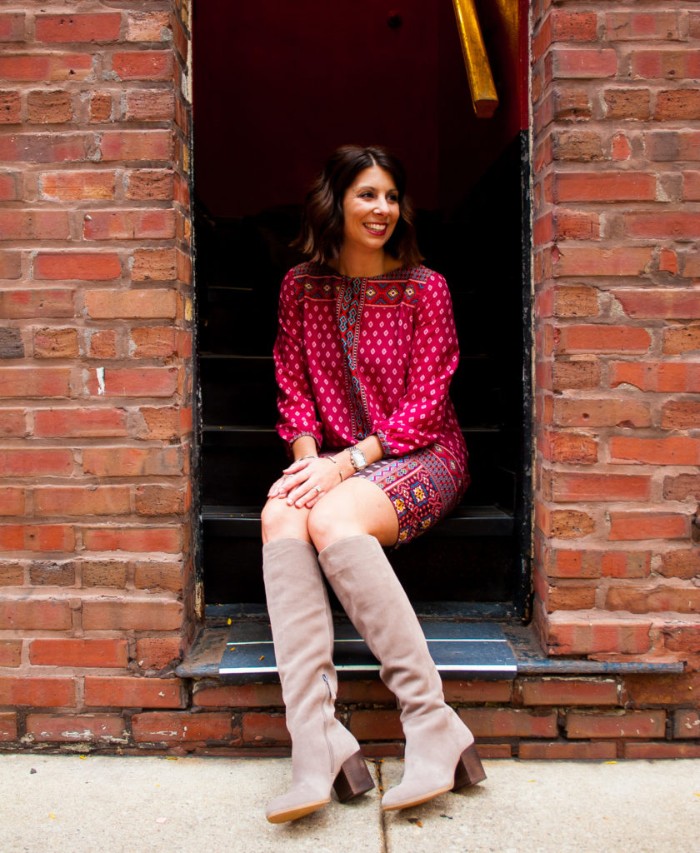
(357, 457)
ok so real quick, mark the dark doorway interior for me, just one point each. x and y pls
(277, 86)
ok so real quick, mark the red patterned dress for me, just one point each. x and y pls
(362, 356)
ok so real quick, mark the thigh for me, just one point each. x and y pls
(355, 507)
(281, 521)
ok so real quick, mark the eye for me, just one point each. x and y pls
(393, 197)
(366, 194)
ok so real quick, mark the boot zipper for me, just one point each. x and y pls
(325, 721)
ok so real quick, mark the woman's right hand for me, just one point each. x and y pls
(305, 481)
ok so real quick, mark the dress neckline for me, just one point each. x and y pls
(397, 272)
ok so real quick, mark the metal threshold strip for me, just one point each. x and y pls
(468, 649)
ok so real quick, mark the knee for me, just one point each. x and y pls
(278, 520)
(325, 524)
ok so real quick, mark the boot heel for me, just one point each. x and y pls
(469, 770)
(353, 779)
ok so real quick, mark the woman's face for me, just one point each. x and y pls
(370, 209)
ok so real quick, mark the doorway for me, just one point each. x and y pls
(277, 86)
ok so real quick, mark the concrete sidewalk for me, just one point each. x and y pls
(100, 804)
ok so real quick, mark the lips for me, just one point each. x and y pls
(377, 228)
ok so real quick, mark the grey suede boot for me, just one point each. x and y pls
(440, 753)
(324, 753)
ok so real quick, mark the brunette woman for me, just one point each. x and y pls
(364, 355)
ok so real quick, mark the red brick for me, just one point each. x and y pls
(37, 537)
(82, 728)
(47, 147)
(10, 265)
(582, 146)
(510, 722)
(563, 751)
(601, 412)
(663, 690)
(626, 564)
(104, 344)
(8, 726)
(683, 564)
(37, 692)
(129, 225)
(588, 261)
(45, 67)
(164, 423)
(564, 523)
(459, 692)
(83, 500)
(680, 414)
(630, 526)
(151, 304)
(11, 501)
(77, 186)
(651, 751)
(134, 382)
(675, 450)
(575, 373)
(126, 692)
(570, 447)
(130, 614)
(154, 265)
(603, 338)
(101, 107)
(148, 184)
(79, 423)
(26, 614)
(78, 28)
(49, 107)
(78, 652)
(25, 304)
(654, 597)
(133, 145)
(147, 26)
(682, 638)
(137, 539)
(643, 25)
(575, 300)
(34, 225)
(156, 653)
(51, 573)
(176, 728)
(143, 65)
(628, 724)
(373, 725)
(10, 653)
(12, 26)
(10, 108)
(12, 422)
(691, 192)
(594, 633)
(573, 26)
(657, 376)
(153, 342)
(133, 461)
(264, 729)
(82, 266)
(605, 186)
(109, 573)
(574, 486)
(56, 343)
(16, 462)
(12, 574)
(260, 695)
(583, 63)
(674, 304)
(671, 64)
(671, 225)
(153, 500)
(150, 105)
(680, 104)
(627, 104)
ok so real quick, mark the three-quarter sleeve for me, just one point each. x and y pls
(295, 402)
(419, 418)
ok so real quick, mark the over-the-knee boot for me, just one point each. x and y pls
(324, 753)
(440, 754)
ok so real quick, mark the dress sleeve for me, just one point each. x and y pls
(295, 402)
(419, 417)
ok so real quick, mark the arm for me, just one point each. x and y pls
(418, 419)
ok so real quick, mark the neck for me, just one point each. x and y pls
(358, 264)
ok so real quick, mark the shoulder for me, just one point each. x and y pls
(308, 280)
(427, 283)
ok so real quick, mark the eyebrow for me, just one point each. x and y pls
(374, 189)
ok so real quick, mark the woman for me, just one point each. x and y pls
(365, 352)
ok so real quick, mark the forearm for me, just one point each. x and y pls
(305, 445)
(371, 448)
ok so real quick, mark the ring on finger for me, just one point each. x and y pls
(318, 489)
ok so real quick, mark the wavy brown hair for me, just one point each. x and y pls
(323, 223)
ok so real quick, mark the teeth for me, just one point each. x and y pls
(374, 227)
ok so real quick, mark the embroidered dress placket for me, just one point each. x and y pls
(349, 308)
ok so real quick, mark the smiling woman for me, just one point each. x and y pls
(378, 459)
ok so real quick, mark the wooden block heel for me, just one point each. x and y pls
(353, 779)
(469, 770)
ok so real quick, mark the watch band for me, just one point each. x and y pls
(357, 457)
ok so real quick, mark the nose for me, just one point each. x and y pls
(382, 206)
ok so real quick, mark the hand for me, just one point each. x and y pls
(305, 481)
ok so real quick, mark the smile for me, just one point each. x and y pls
(376, 227)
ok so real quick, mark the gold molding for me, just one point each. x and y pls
(483, 89)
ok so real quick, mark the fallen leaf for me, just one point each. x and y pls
(229, 621)
(262, 657)
(415, 821)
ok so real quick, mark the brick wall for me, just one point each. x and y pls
(95, 378)
(97, 596)
(616, 221)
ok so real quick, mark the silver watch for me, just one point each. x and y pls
(357, 457)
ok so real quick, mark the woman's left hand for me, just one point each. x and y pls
(306, 481)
